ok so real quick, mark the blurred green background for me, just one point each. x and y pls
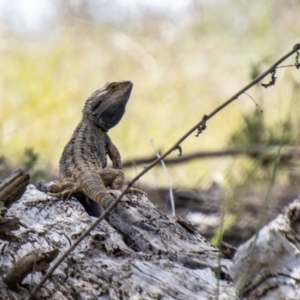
(184, 57)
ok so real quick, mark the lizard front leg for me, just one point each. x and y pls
(115, 157)
(115, 179)
(113, 154)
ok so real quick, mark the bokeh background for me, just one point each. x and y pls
(184, 57)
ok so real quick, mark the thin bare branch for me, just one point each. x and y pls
(200, 126)
(253, 151)
(257, 106)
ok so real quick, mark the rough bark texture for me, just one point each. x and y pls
(167, 259)
(204, 207)
(268, 265)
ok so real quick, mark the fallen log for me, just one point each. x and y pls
(167, 259)
(268, 265)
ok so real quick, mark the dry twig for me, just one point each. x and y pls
(253, 151)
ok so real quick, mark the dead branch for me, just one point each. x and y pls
(30, 262)
(252, 151)
(12, 187)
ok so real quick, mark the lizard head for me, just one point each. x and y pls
(106, 106)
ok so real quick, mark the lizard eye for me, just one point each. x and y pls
(114, 86)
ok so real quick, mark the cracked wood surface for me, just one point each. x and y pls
(268, 267)
(165, 259)
(162, 258)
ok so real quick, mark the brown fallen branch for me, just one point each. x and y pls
(6, 226)
(11, 189)
(200, 126)
(29, 263)
(269, 152)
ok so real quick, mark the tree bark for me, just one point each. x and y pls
(160, 258)
(268, 265)
(148, 256)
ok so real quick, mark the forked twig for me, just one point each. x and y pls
(200, 126)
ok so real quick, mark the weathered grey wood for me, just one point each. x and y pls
(268, 266)
(140, 253)
(157, 258)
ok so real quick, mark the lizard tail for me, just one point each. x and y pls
(92, 186)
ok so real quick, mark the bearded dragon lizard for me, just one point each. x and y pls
(83, 164)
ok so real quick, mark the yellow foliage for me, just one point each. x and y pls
(181, 69)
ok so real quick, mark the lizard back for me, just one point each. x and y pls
(86, 150)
